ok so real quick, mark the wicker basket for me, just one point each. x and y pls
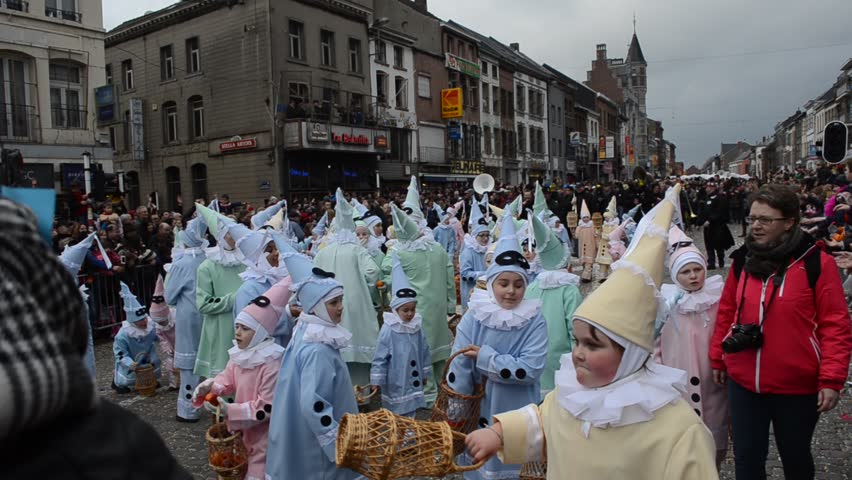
(381, 445)
(453, 322)
(226, 452)
(146, 377)
(459, 411)
(364, 394)
(533, 471)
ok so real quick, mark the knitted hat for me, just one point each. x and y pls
(626, 304)
(611, 209)
(74, 255)
(266, 310)
(158, 310)
(133, 310)
(584, 210)
(344, 214)
(682, 251)
(411, 205)
(551, 251)
(310, 284)
(402, 291)
(404, 227)
(507, 253)
(477, 221)
(261, 218)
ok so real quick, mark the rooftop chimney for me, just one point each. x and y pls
(601, 48)
(515, 46)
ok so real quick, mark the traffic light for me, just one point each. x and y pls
(835, 142)
(11, 166)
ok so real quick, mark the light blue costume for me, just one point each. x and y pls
(444, 233)
(402, 362)
(132, 341)
(180, 293)
(513, 348)
(472, 262)
(314, 390)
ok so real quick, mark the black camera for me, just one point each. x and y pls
(743, 337)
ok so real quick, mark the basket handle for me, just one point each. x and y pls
(373, 390)
(139, 355)
(465, 468)
(450, 361)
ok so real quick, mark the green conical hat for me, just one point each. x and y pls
(344, 214)
(213, 219)
(540, 203)
(405, 228)
(514, 208)
(551, 251)
(412, 199)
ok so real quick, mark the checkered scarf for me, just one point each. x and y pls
(42, 331)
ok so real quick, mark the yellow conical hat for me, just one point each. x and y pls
(626, 304)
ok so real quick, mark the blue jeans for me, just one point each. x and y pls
(793, 417)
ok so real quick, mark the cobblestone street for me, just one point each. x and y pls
(832, 446)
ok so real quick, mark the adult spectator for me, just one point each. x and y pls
(714, 219)
(782, 340)
(142, 221)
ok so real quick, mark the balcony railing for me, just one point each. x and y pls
(18, 122)
(19, 5)
(63, 117)
(63, 14)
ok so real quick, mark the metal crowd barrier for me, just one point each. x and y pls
(105, 304)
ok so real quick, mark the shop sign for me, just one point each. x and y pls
(360, 140)
(238, 144)
(610, 147)
(318, 132)
(467, 167)
(381, 141)
(451, 103)
(601, 147)
(461, 65)
(454, 132)
(137, 130)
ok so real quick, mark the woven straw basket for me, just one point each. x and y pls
(533, 471)
(453, 322)
(363, 394)
(146, 378)
(381, 446)
(226, 452)
(459, 411)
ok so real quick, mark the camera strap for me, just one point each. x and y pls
(777, 279)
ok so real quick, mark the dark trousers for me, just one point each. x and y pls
(793, 418)
(713, 253)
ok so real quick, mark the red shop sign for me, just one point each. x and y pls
(238, 145)
(351, 139)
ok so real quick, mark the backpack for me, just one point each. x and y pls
(813, 266)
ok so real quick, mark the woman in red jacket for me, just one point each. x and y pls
(781, 345)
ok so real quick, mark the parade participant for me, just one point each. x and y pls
(684, 341)
(314, 389)
(136, 336)
(218, 280)
(472, 256)
(365, 224)
(713, 217)
(457, 224)
(180, 293)
(445, 234)
(507, 338)
(430, 272)
(164, 321)
(587, 242)
(358, 273)
(610, 224)
(557, 291)
(402, 352)
(371, 244)
(412, 205)
(263, 217)
(373, 223)
(250, 377)
(615, 413)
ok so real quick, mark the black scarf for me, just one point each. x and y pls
(764, 260)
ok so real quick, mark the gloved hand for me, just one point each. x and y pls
(223, 407)
(201, 390)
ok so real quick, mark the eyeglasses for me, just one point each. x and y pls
(763, 220)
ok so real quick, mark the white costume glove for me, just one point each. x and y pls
(223, 407)
(202, 389)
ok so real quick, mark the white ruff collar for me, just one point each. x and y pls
(444, 226)
(380, 238)
(550, 279)
(695, 302)
(397, 325)
(585, 224)
(421, 244)
(191, 251)
(318, 330)
(487, 312)
(271, 275)
(633, 399)
(471, 242)
(136, 332)
(257, 355)
(226, 258)
(343, 237)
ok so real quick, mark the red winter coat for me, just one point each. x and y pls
(807, 335)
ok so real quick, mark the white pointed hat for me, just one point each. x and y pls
(344, 214)
(402, 291)
(507, 253)
(74, 255)
(133, 310)
(321, 226)
(477, 223)
(611, 209)
(584, 210)
(411, 205)
(264, 216)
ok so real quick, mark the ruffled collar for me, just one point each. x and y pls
(135, 332)
(271, 275)
(226, 258)
(178, 252)
(343, 236)
(396, 324)
(257, 355)
(585, 224)
(444, 226)
(318, 330)
(380, 238)
(550, 279)
(698, 301)
(420, 244)
(487, 312)
(373, 246)
(471, 242)
(633, 399)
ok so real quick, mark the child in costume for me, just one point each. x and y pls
(587, 242)
(402, 362)
(508, 339)
(615, 413)
(445, 234)
(164, 321)
(685, 338)
(604, 258)
(136, 336)
(557, 290)
(472, 256)
(457, 224)
(250, 376)
(314, 389)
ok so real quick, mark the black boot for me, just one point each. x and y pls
(120, 390)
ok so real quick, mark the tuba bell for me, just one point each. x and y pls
(483, 183)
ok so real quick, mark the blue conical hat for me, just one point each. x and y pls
(477, 222)
(551, 251)
(405, 228)
(74, 255)
(133, 310)
(214, 205)
(402, 291)
(442, 215)
(193, 235)
(250, 243)
(321, 226)
(264, 216)
(412, 200)
(359, 207)
(310, 284)
(344, 214)
(507, 252)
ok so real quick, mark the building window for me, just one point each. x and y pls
(401, 88)
(112, 138)
(298, 92)
(196, 117)
(495, 97)
(172, 187)
(522, 138)
(170, 122)
(296, 34)
(199, 181)
(559, 151)
(354, 55)
(450, 46)
(559, 115)
(193, 55)
(486, 139)
(424, 86)
(484, 68)
(521, 95)
(167, 63)
(553, 113)
(127, 74)
(131, 189)
(125, 131)
(64, 9)
(381, 52)
(66, 96)
(382, 88)
(498, 142)
(486, 101)
(398, 57)
(108, 69)
(493, 71)
(327, 48)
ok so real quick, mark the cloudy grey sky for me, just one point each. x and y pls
(718, 71)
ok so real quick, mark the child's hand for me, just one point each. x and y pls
(484, 443)
(473, 352)
(222, 407)
(201, 390)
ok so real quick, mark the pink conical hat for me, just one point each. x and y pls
(266, 309)
(159, 311)
(453, 210)
(682, 251)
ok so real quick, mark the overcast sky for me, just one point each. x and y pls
(718, 71)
